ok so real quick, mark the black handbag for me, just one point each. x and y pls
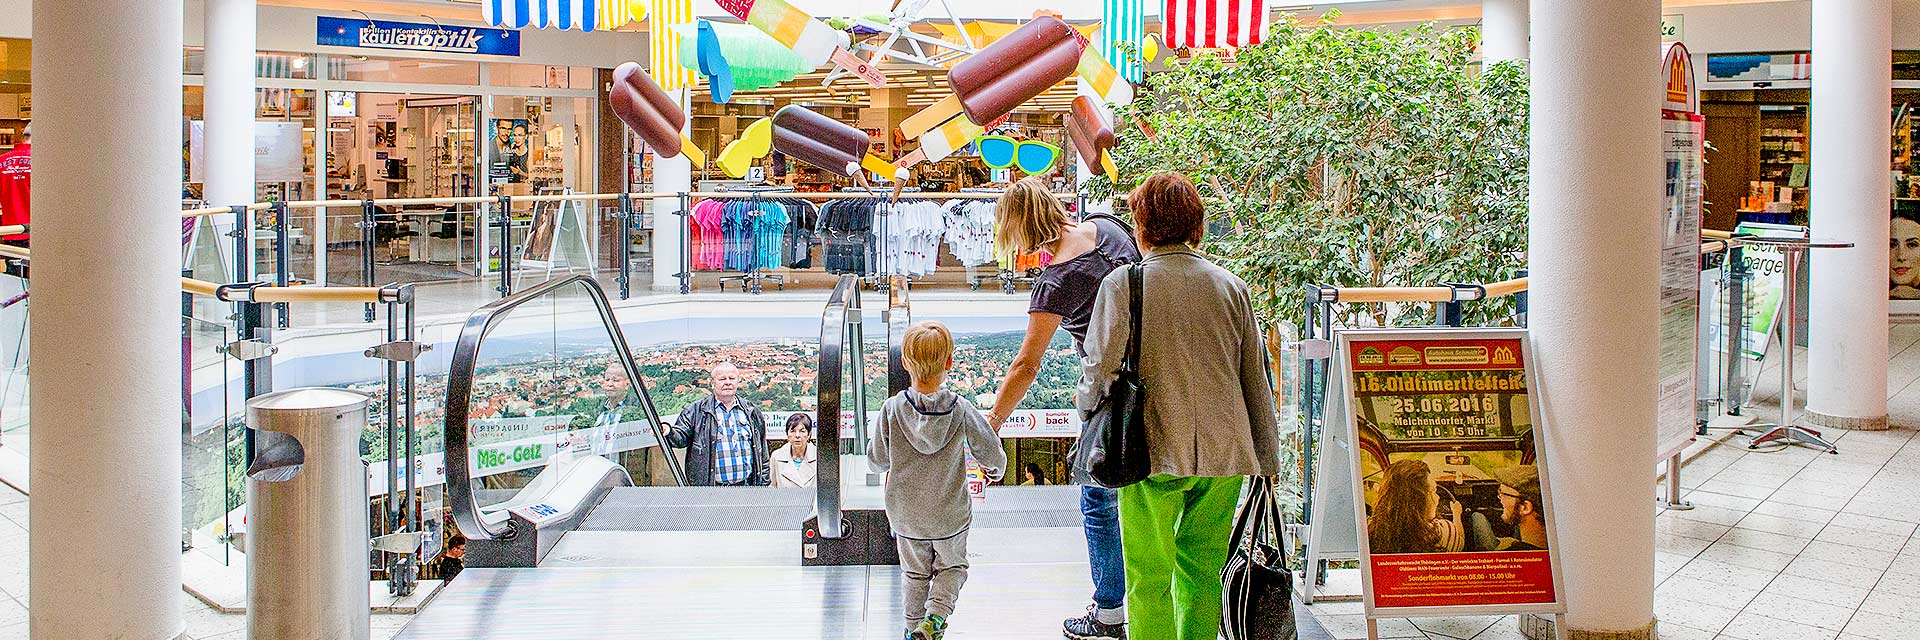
(1256, 596)
(1116, 431)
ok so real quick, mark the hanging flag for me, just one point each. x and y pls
(1122, 21)
(513, 14)
(1214, 24)
(665, 43)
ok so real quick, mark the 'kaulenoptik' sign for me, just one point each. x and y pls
(409, 36)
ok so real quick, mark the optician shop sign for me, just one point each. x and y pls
(411, 36)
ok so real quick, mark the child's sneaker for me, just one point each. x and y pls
(932, 628)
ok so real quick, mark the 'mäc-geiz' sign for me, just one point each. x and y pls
(410, 36)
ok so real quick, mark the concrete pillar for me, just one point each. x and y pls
(670, 175)
(1847, 321)
(1504, 30)
(228, 167)
(104, 549)
(1595, 188)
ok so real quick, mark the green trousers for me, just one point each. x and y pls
(1173, 532)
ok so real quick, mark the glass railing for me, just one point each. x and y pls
(213, 488)
(14, 356)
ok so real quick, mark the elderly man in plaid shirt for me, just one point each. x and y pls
(725, 439)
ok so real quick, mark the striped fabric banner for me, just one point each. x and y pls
(668, 15)
(513, 14)
(1214, 24)
(1123, 21)
(612, 14)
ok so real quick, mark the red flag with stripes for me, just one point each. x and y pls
(1214, 24)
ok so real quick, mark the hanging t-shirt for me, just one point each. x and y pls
(1068, 288)
(802, 217)
(969, 231)
(770, 234)
(713, 240)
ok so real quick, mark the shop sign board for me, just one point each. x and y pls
(1673, 27)
(412, 36)
(1449, 465)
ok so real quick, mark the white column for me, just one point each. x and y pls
(104, 549)
(1594, 243)
(1503, 30)
(1847, 325)
(228, 167)
(670, 175)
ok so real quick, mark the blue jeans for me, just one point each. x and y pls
(1100, 508)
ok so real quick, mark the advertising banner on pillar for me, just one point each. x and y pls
(1450, 468)
(1684, 147)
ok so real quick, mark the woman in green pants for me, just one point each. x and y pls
(1210, 412)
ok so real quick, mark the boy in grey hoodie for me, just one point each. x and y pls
(923, 437)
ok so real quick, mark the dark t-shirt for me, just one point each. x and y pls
(1068, 288)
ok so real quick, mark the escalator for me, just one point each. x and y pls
(551, 429)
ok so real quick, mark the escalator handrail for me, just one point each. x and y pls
(827, 387)
(466, 509)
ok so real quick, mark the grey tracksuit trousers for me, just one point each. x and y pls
(932, 572)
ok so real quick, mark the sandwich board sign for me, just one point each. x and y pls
(1448, 473)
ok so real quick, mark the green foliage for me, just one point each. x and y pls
(1347, 157)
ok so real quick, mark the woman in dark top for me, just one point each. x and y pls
(1031, 219)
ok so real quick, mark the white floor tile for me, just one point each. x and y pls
(1815, 614)
(1848, 554)
(1881, 627)
(1793, 586)
(1754, 627)
(1774, 506)
(1765, 541)
(1748, 557)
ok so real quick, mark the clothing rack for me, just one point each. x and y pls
(1009, 279)
(750, 281)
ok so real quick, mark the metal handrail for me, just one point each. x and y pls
(466, 510)
(827, 387)
(709, 195)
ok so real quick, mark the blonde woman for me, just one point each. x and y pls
(1031, 219)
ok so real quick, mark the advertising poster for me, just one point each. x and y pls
(1684, 149)
(511, 148)
(1766, 271)
(1448, 464)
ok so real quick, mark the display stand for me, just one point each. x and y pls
(1792, 251)
(558, 239)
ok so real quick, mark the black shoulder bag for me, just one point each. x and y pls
(1117, 429)
(1256, 595)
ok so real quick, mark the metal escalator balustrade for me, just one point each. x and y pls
(542, 387)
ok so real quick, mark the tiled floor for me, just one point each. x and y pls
(1785, 544)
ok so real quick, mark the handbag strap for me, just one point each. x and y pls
(1134, 277)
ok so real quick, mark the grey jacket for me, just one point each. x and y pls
(696, 429)
(923, 440)
(1210, 411)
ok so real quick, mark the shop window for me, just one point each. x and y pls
(502, 74)
(1758, 67)
(406, 70)
(266, 64)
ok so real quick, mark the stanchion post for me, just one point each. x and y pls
(367, 226)
(282, 263)
(242, 268)
(1733, 383)
(505, 219)
(1520, 303)
(686, 244)
(624, 253)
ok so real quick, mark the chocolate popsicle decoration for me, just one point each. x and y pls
(647, 110)
(1011, 71)
(1091, 132)
(825, 143)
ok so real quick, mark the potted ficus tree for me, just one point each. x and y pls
(1354, 157)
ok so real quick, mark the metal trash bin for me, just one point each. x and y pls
(307, 563)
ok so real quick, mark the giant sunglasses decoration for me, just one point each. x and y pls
(1032, 156)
